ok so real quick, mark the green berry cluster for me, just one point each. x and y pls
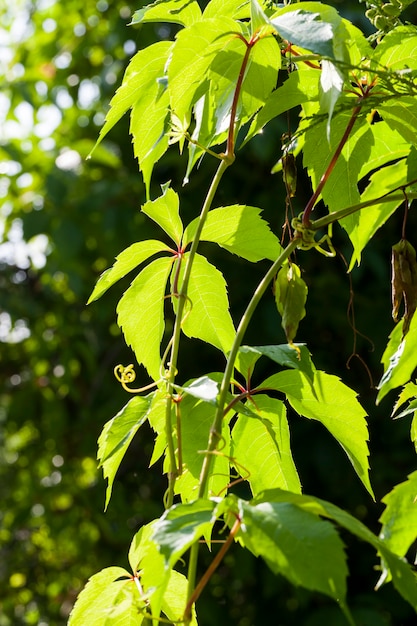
(385, 15)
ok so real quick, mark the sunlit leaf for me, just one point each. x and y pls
(109, 598)
(141, 314)
(399, 520)
(341, 189)
(117, 435)
(138, 83)
(171, 11)
(191, 57)
(240, 230)
(300, 86)
(334, 405)
(203, 388)
(262, 447)
(165, 212)
(208, 316)
(399, 359)
(126, 261)
(196, 422)
(362, 225)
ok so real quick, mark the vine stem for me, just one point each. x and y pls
(182, 297)
(217, 422)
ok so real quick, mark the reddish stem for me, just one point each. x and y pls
(310, 205)
(211, 569)
(230, 147)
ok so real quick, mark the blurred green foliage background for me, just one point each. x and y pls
(62, 221)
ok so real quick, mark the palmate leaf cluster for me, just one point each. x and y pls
(231, 70)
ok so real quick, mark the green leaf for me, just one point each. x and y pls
(227, 8)
(290, 298)
(362, 225)
(196, 422)
(409, 391)
(141, 314)
(240, 230)
(285, 355)
(208, 318)
(203, 388)
(149, 121)
(401, 114)
(398, 49)
(331, 86)
(126, 261)
(212, 111)
(181, 526)
(340, 190)
(399, 359)
(301, 86)
(117, 435)
(399, 520)
(296, 544)
(262, 448)
(191, 57)
(413, 430)
(165, 590)
(175, 599)
(258, 18)
(333, 404)
(110, 598)
(402, 576)
(171, 11)
(165, 212)
(308, 29)
(137, 84)
(246, 359)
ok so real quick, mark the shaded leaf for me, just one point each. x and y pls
(307, 29)
(181, 526)
(288, 357)
(141, 314)
(296, 544)
(403, 577)
(262, 447)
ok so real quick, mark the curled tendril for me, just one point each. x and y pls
(306, 237)
(127, 375)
